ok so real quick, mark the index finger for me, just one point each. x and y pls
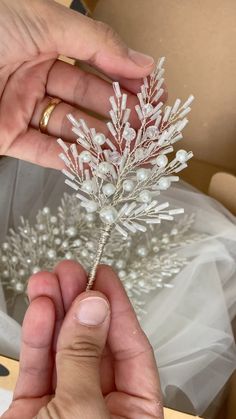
(85, 39)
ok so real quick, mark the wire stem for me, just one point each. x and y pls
(105, 234)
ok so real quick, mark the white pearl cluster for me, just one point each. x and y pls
(118, 175)
(108, 215)
(138, 260)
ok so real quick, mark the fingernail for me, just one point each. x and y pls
(140, 59)
(92, 311)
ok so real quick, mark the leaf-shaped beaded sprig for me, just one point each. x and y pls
(120, 177)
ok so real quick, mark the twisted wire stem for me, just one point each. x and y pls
(105, 234)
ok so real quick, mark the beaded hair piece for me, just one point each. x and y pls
(145, 263)
(120, 177)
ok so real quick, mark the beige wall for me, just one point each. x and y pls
(198, 38)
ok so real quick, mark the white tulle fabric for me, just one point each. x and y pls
(189, 326)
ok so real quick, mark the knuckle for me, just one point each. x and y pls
(51, 410)
(109, 35)
(82, 87)
(104, 29)
(34, 370)
(156, 409)
(81, 349)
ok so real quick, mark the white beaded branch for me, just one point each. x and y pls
(120, 177)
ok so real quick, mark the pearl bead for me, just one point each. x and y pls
(77, 243)
(141, 283)
(128, 185)
(91, 206)
(41, 227)
(129, 134)
(104, 167)
(164, 183)
(45, 237)
(35, 269)
(89, 186)
(174, 232)
(56, 231)
(155, 249)
(108, 189)
(65, 244)
(133, 275)
(34, 240)
(181, 156)
(152, 132)
(26, 231)
(108, 215)
(53, 219)
(145, 196)
(147, 109)
(154, 240)
(165, 240)
(5, 246)
(21, 272)
(19, 287)
(90, 217)
(162, 160)
(122, 274)
(4, 259)
(68, 255)
(142, 251)
(99, 138)
(85, 253)
(57, 241)
(71, 232)
(46, 210)
(142, 174)
(85, 156)
(29, 261)
(128, 285)
(120, 264)
(14, 259)
(5, 274)
(13, 281)
(51, 254)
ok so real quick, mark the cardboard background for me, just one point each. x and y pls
(198, 38)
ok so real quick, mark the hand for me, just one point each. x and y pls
(83, 355)
(33, 34)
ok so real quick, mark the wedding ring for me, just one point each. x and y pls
(46, 114)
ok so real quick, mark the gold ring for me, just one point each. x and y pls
(46, 114)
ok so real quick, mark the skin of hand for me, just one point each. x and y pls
(83, 354)
(33, 34)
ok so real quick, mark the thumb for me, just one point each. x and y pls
(80, 345)
(86, 39)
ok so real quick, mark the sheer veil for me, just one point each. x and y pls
(189, 325)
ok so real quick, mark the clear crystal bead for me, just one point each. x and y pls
(115, 157)
(129, 134)
(152, 132)
(147, 109)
